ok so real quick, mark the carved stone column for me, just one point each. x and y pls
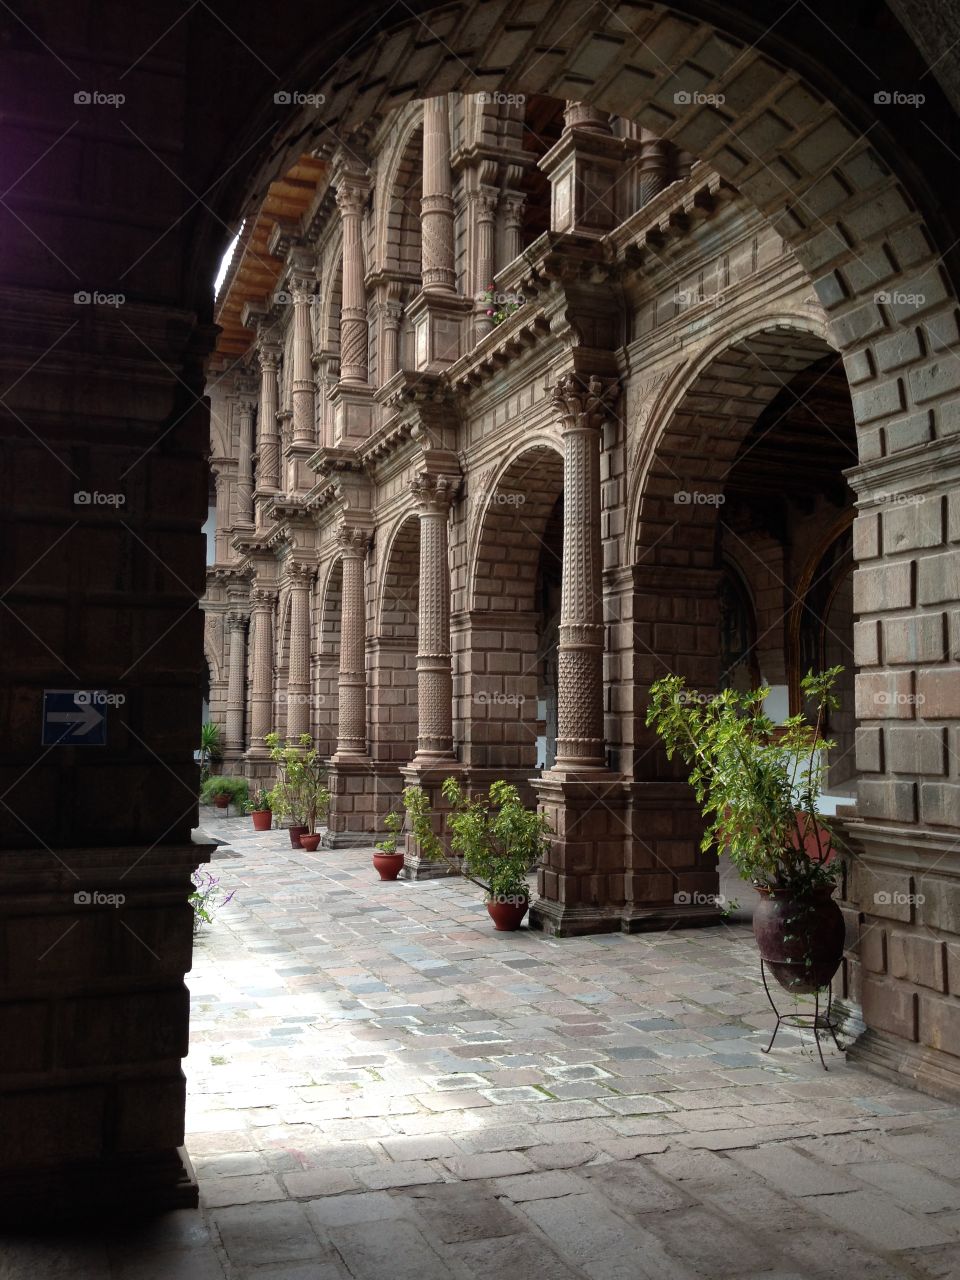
(436, 205)
(484, 205)
(221, 477)
(581, 115)
(352, 693)
(245, 463)
(653, 165)
(434, 494)
(351, 198)
(236, 685)
(302, 387)
(582, 410)
(262, 603)
(298, 678)
(390, 336)
(268, 441)
(512, 204)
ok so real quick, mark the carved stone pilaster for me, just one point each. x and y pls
(484, 204)
(302, 385)
(352, 692)
(352, 190)
(300, 578)
(268, 443)
(434, 494)
(245, 409)
(390, 316)
(262, 604)
(512, 204)
(436, 205)
(582, 409)
(236, 684)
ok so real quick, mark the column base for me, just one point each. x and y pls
(561, 920)
(912, 1066)
(107, 1191)
(353, 819)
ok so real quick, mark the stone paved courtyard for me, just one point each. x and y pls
(381, 1086)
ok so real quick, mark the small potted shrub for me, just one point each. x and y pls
(301, 792)
(211, 748)
(388, 860)
(222, 792)
(758, 784)
(498, 840)
(260, 808)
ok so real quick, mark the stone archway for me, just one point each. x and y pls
(393, 668)
(510, 629)
(327, 671)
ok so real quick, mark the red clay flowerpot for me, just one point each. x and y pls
(222, 801)
(262, 819)
(389, 865)
(800, 938)
(507, 913)
(310, 840)
(295, 834)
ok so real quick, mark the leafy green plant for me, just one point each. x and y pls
(207, 898)
(235, 788)
(211, 748)
(758, 783)
(394, 824)
(301, 791)
(499, 840)
(259, 801)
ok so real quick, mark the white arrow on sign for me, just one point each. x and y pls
(85, 718)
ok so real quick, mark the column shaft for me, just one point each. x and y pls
(352, 695)
(268, 443)
(236, 683)
(298, 678)
(437, 268)
(245, 464)
(485, 212)
(302, 387)
(353, 312)
(222, 517)
(261, 675)
(434, 666)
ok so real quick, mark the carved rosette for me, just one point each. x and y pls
(352, 698)
(302, 386)
(434, 495)
(351, 199)
(262, 604)
(300, 577)
(582, 408)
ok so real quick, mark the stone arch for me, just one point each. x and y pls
(327, 667)
(513, 595)
(328, 335)
(398, 209)
(282, 665)
(393, 645)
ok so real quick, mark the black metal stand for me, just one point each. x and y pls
(819, 1020)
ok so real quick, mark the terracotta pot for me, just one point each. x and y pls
(388, 864)
(310, 840)
(800, 937)
(507, 913)
(262, 819)
(222, 801)
(295, 834)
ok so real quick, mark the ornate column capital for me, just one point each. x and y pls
(262, 599)
(353, 540)
(352, 191)
(236, 621)
(435, 493)
(584, 405)
(298, 573)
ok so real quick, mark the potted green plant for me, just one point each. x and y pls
(498, 841)
(759, 784)
(388, 860)
(301, 791)
(260, 808)
(211, 748)
(223, 792)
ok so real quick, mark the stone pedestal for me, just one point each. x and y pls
(430, 778)
(353, 819)
(439, 324)
(95, 1019)
(351, 408)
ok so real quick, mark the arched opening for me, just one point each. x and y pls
(393, 650)
(507, 707)
(327, 669)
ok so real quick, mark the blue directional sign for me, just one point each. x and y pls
(74, 718)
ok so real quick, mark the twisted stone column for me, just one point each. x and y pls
(513, 205)
(436, 204)
(245, 463)
(268, 443)
(352, 696)
(582, 410)
(298, 677)
(434, 495)
(262, 603)
(351, 198)
(236, 683)
(485, 212)
(653, 165)
(302, 386)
